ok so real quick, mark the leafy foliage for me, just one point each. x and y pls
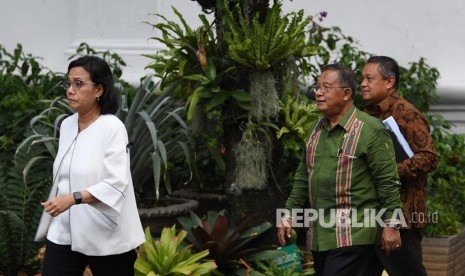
(191, 58)
(23, 83)
(23, 189)
(168, 256)
(298, 117)
(446, 185)
(226, 241)
(159, 139)
(180, 57)
(260, 45)
(418, 84)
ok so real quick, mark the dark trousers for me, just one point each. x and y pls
(408, 259)
(359, 260)
(60, 260)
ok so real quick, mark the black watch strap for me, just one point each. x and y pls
(77, 197)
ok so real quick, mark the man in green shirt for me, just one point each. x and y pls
(349, 176)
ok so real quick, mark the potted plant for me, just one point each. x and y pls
(169, 256)
(444, 244)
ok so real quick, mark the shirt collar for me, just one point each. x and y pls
(346, 121)
(383, 106)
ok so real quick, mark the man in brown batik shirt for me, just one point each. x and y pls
(380, 82)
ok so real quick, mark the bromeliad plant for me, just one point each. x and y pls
(159, 139)
(168, 256)
(226, 242)
(191, 58)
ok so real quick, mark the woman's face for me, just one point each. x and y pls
(82, 94)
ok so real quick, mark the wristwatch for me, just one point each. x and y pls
(77, 197)
(396, 225)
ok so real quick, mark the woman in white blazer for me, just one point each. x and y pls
(90, 217)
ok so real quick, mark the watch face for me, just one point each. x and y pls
(77, 197)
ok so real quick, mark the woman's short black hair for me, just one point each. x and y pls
(100, 74)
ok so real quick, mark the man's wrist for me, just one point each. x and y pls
(393, 223)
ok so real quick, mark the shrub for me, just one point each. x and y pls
(168, 256)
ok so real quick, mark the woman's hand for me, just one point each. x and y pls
(58, 205)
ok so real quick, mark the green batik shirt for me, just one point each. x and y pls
(351, 172)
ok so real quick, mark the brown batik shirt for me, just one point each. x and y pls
(413, 171)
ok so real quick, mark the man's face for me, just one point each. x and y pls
(330, 95)
(374, 87)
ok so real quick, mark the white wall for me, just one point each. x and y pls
(404, 30)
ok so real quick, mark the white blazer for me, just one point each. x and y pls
(100, 165)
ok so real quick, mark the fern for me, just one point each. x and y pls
(20, 216)
(298, 118)
(260, 46)
(10, 250)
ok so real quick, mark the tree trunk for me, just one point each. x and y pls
(262, 204)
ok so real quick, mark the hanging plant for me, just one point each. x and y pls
(252, 155)
(265, 100)
(251, 172)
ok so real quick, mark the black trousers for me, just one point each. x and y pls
(359, 260)
(60, 260)
(408, 259)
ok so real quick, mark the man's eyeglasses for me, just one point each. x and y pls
(76, 85)
(325, 88)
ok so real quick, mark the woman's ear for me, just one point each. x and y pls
(99, 91)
